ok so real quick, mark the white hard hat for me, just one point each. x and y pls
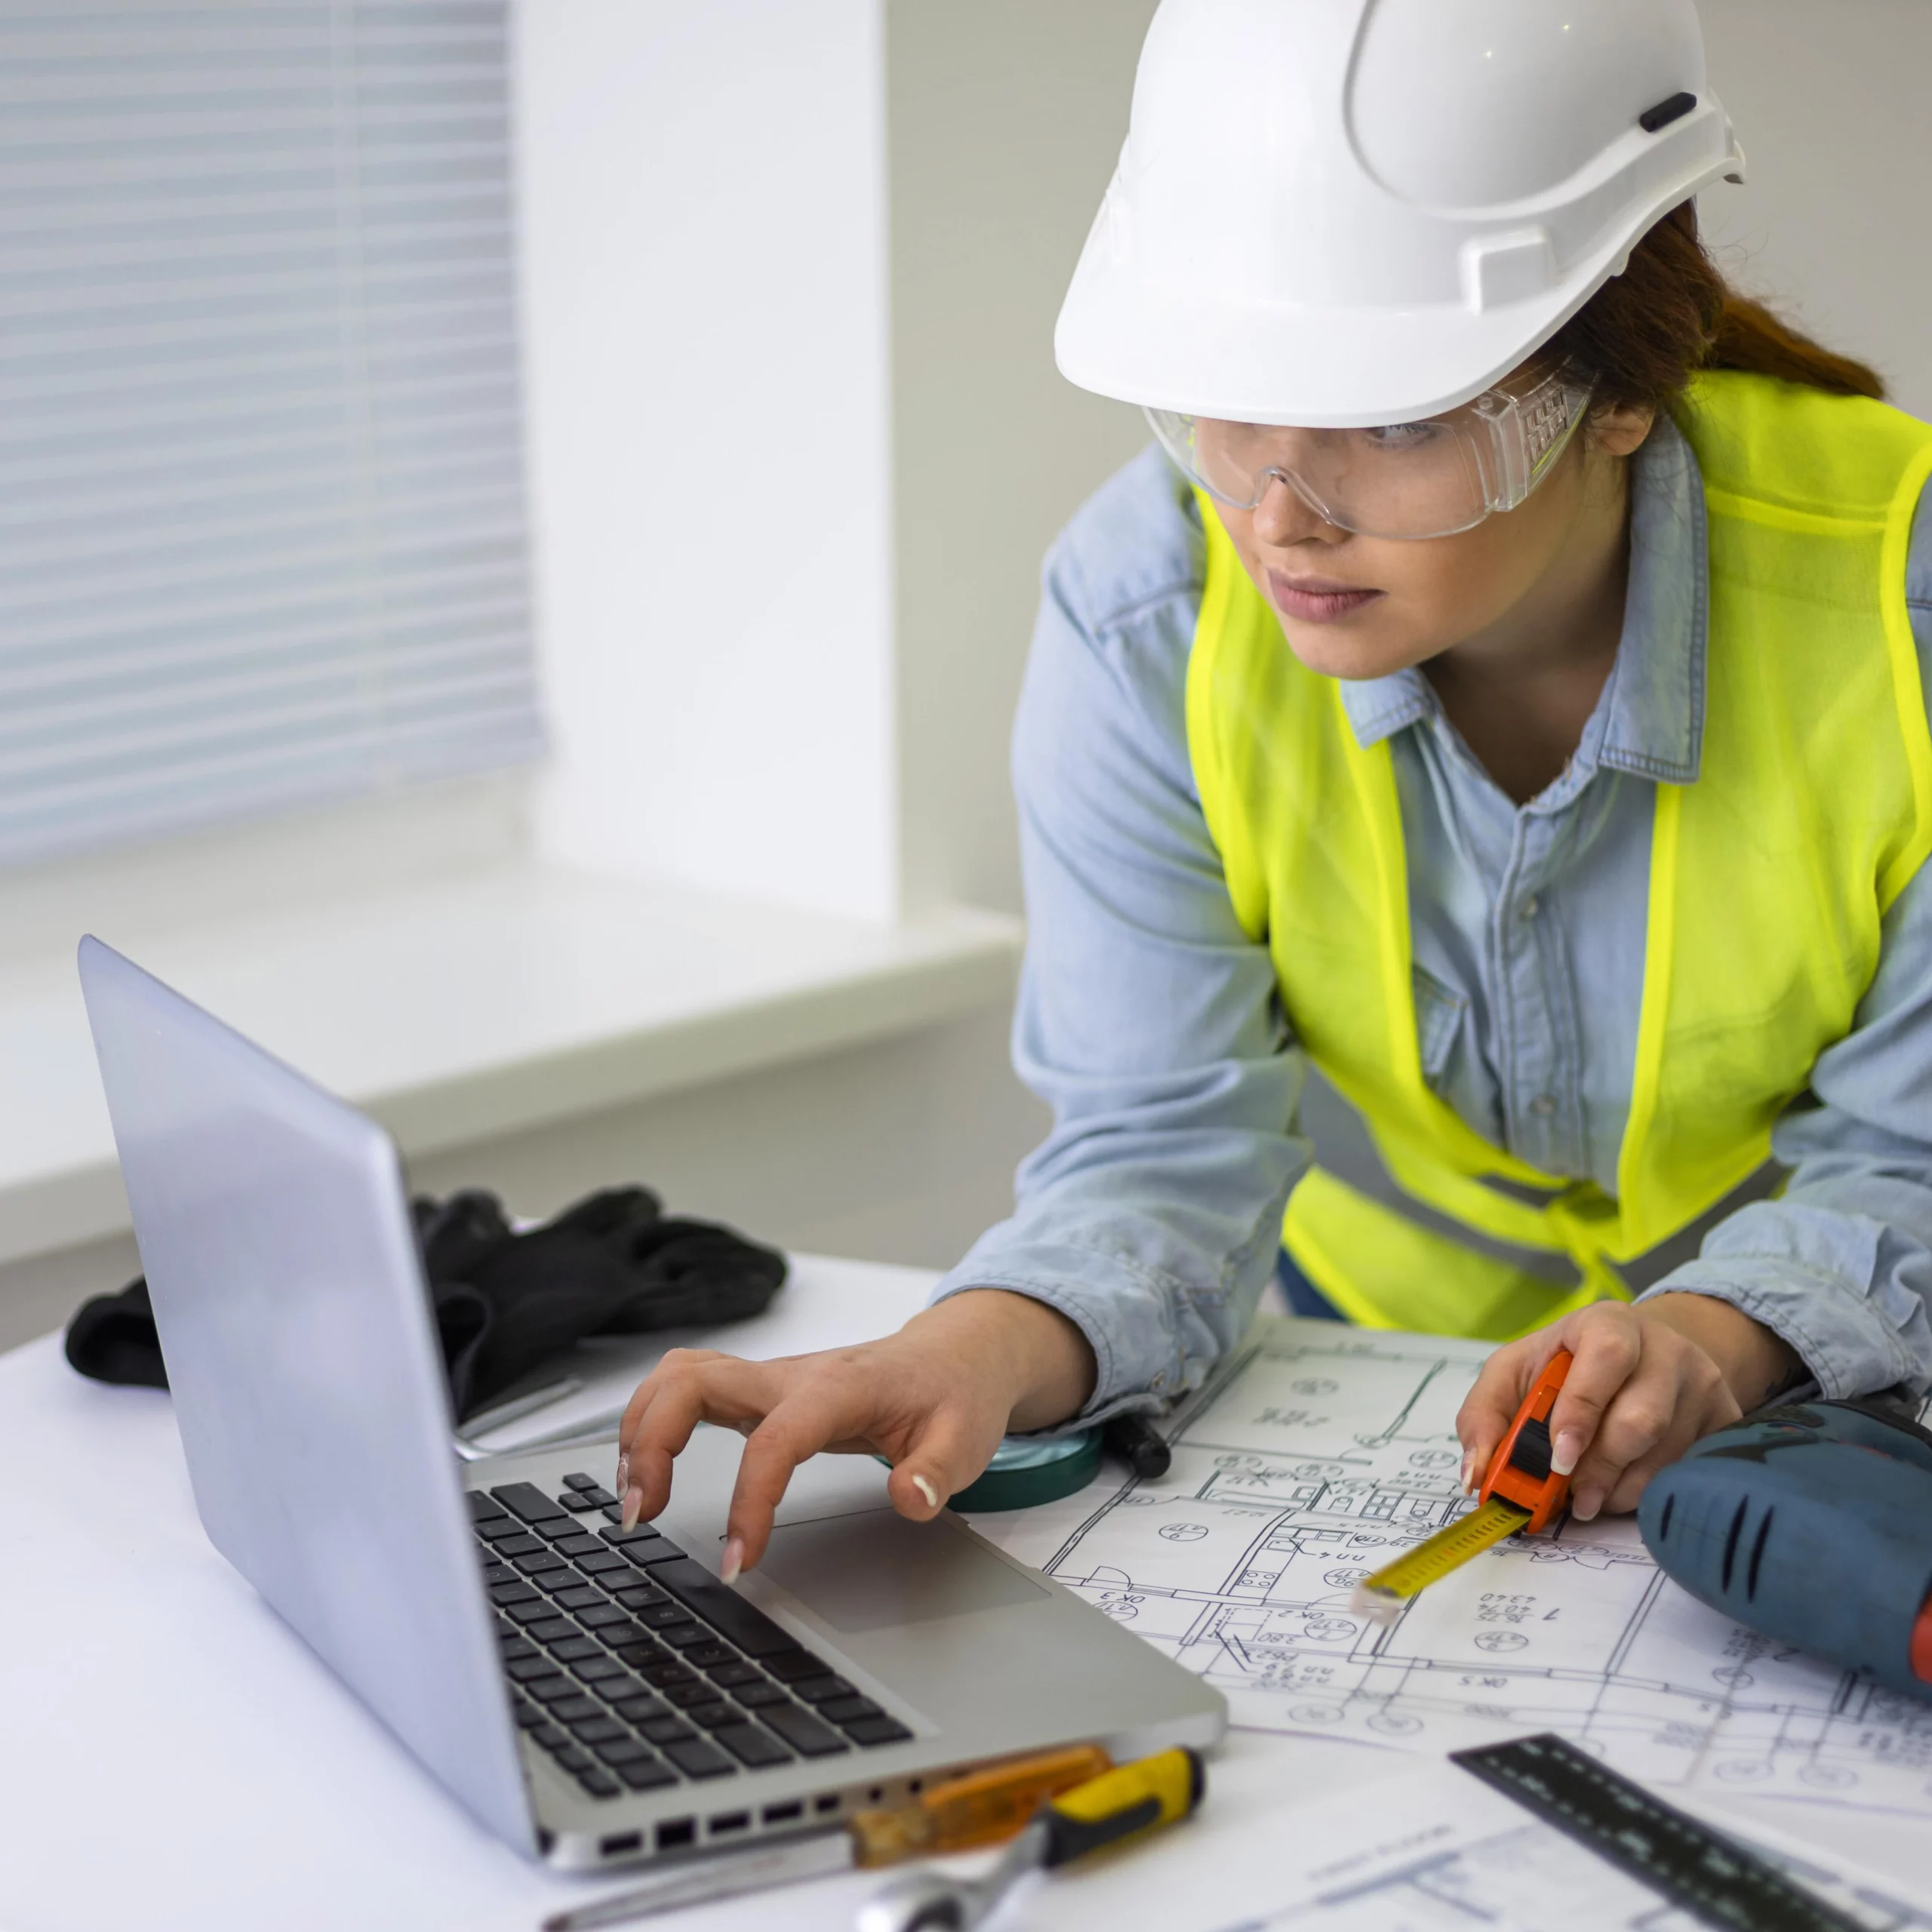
(1340, 214)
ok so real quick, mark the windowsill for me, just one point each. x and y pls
(496, 998)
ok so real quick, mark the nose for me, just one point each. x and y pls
(1282, 517)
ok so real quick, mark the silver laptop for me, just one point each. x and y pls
(594, 1698)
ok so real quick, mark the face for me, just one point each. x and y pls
(1365, 607)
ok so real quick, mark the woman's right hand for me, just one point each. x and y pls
(933, 1400)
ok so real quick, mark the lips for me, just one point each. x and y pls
(1314, 600)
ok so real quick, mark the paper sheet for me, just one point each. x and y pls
(1317, 1453)
(1442, 1852)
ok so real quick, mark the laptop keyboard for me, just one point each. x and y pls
(633, 1666)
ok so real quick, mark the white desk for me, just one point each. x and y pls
(171, 1757)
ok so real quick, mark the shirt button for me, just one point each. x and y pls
(1531, 906)
(1543, 1106)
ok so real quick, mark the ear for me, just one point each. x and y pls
(1622, 431)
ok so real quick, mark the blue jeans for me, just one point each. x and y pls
(1304, 1297)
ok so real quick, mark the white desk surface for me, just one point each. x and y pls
(171, 1756)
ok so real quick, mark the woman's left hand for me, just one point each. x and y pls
(1645, 1382)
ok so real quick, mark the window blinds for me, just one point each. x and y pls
(262, 534)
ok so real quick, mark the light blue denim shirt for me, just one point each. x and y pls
(1150, 1021)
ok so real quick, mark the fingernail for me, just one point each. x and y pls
(1585, 1505)
(1469, 1468)
(926, 1490)
(633, 1507)
(623, 1481)
(1566, 1452)
(733, 1560)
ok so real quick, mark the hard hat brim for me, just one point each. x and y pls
(1174, 348)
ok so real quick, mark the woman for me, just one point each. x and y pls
(1503, 692)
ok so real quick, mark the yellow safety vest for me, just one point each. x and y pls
(1769, 878)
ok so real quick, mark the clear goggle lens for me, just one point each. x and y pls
(1408, 480)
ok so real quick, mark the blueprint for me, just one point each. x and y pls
(1439, 1852)
(1317, 1454)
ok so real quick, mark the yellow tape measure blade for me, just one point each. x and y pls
(1383, 1595)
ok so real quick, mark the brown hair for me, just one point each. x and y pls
(1641, 338)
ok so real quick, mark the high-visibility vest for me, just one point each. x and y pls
(1769, 878)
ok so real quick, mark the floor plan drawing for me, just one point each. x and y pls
(1440, 1852)
(1317, 1454)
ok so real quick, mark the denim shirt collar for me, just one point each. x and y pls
(1650, 720)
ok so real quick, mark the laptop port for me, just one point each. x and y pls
(677, 1832)
(618, 1843)
(730, 1821)
(783, 1814)
(827, 1803)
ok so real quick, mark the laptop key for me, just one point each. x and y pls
(698, 1759)
(647, 1774)
(684, 1636)
(751, 1695)
(598, 1499)
(574, 1650)
(554, 1689)
(709, 1716)
(878, 1731)
(525, 1500)
(640, 1534)
(533, 1612)
(637, 1652)
(621, 1636)
(527, 1716)
(578, 1544)
(665, 1731)
(709, 1653)
(802, 1731)
(597, 1730)
(599, 1783)
(554, 1631)
(750, 1745)
(730, 1671)
(791, 1664)
(599, 1670)
(635, 1596)
(504, 1595)
(821, 1690)
(731, 1615)
(550, 1737)
(576, 1705)
(519, 1544)
(577, 1502)
(578, 1596)
(660, 1614)
(846, 1712)
(622, 1750)
(663, 1676)
(537, 1560)
(492, 1531)
(608, 1563)
(639, 1708)
(480, 1505)
(602, 1611)
(574, 1758)
(577, 1479)
(520, 1670)
(516, 1648)
(686, 1694)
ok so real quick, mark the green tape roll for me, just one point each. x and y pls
(1024, 1473)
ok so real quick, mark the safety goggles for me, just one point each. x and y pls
(1408, 480)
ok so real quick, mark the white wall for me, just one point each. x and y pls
(1005, 117)
(703, 227)
(1830, 101)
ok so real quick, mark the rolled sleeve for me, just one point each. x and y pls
(1147, 1020)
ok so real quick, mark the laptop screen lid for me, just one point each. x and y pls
(308, 1383)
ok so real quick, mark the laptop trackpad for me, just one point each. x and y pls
(870, 1571)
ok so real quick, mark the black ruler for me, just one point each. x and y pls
(1674, 1854)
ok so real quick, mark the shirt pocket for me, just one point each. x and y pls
(1439, 1013)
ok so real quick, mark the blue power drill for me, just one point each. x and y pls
(1811, 1522)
